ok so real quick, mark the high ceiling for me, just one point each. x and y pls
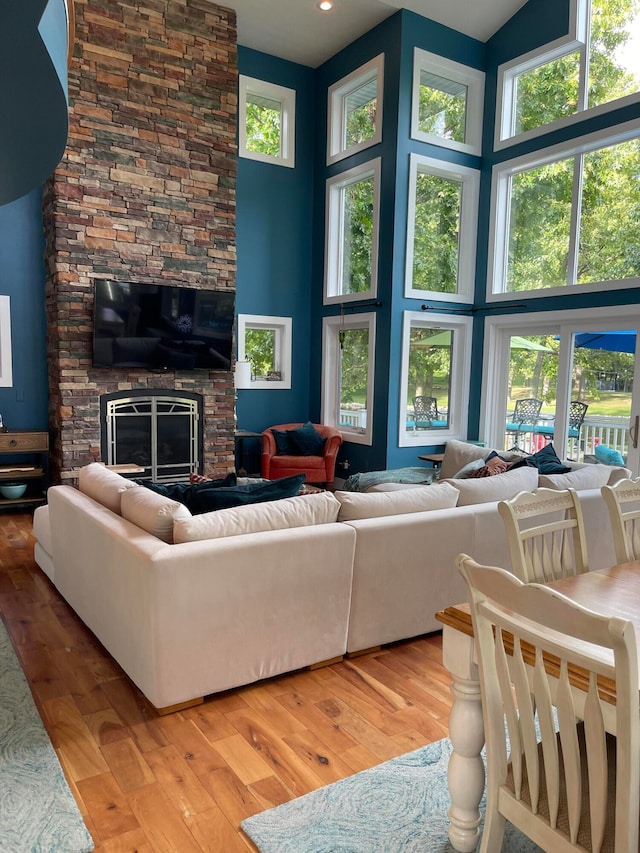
(298, 31)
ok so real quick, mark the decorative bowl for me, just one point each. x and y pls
(13, 490)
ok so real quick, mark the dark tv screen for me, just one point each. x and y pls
(160, 327)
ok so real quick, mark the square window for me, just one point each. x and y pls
(441, 230)
(355, 111)
(352, 214)
(447, 102)
(266, 122)
(265, 342)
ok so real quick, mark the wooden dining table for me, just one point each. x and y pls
(614, 591)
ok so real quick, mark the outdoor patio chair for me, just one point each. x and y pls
(426, 414)
(577, 412)
(525, 416)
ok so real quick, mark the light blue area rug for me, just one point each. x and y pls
(38, 813)
(397, 807)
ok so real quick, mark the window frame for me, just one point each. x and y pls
(471, 78)
(336, 97)
(334, 229)
(499, 214)
(467, 232)
(6, 368)
(282, 326)
(330, 377)
(462, 326)
(576, 39)
(287, 99)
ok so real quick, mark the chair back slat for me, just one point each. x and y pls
(545, 531)
(623, 502)
(566, 767)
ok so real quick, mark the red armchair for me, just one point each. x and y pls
(319, 469)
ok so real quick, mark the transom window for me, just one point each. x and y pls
(355, 111)
(352, 213)
(441, 229)
(348, 347)
(596, 66)
(434, 386)
(266, 124)
(447, 102)
(568, 220)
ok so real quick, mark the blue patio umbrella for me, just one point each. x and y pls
(624, 341)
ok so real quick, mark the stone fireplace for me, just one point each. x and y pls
(146, 193)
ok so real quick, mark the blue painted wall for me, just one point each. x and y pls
(24, 406)
(274, 219)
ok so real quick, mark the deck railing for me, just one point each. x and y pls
(596, 429)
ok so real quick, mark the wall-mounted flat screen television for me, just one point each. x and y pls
(160, 327)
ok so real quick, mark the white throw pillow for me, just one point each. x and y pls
(301, 511)
(356, 505)
(500, 487)
(585, 477)
(103, 485)
(152, 512)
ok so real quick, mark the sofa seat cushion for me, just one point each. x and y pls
(357, 505)
(103, 485)
(301, 511)
(500, 487)
(152, 512)
(291, 461)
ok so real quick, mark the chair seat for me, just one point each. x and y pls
(428, 424)
(520, 427)
(297, 462)
(549, 429)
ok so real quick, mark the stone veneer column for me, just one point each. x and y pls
(145, 192)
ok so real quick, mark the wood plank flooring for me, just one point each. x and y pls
(149, 784)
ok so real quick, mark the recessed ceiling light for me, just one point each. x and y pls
(324, 5)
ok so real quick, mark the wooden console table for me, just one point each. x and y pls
(31, 468)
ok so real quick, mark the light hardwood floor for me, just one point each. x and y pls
(185, 781)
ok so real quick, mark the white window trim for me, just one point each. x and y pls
(6, 372)
(287, 99)
(576, 39)
(336, 96)
(282, 327)
(330, 372)
(497, 332)
(467, 76)
(334, 228)
(470, 180)
(499, 212)
(460, 379)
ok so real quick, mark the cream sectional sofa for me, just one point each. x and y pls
(244, 601)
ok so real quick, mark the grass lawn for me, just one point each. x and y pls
(612, 403)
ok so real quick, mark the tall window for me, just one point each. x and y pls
(265, 342)
(266, 122)
(436, 354)
(441, 229)
(347, 376)
(595, 66)
(352, 212)
(568, 220)
(355, 111)
(447, 102)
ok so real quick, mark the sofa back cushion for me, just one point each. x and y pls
(356, 505)
(458, 454)
(103, 485)
(302, 511)
(583, 477)
(500, 487)
(152, 512)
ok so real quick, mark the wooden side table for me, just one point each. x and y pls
(434, 458)
(31, 465)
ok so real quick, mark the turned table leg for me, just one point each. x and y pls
(466, 732)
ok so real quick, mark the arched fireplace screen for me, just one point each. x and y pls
(161, 432)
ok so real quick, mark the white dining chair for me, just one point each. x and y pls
(623, 503)
(546, 536)
(565, 769)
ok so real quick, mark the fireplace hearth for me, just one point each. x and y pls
(161, 431)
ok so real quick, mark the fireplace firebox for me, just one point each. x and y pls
(161, 431)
